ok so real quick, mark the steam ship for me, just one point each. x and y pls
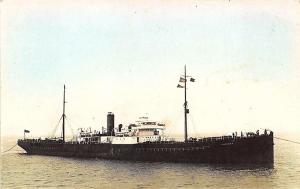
(145, 140)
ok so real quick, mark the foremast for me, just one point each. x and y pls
(186, 110)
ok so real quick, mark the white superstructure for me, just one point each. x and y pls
(143, 130)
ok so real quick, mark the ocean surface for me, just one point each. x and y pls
(19, 170)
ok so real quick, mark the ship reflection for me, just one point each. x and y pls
(243, 167)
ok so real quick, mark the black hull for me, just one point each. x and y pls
(249, 150)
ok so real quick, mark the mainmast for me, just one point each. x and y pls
(64, 116)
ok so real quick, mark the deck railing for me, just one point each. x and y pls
(220, 139)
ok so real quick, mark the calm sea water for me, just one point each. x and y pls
(19, 170)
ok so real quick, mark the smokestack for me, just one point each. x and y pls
(110, 123)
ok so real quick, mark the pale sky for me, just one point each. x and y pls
(126, 57)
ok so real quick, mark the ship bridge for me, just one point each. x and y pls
(143, 130)
(145, 127)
